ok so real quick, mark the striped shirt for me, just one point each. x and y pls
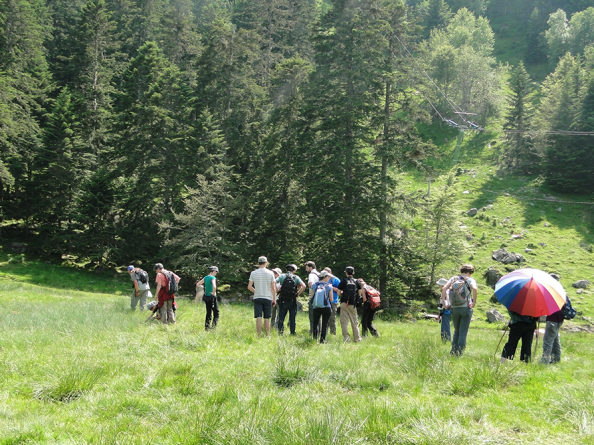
(262, 279)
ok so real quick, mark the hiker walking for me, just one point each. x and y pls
(167, 285)
(369, 308)
(521, 327)
(263, 286)
(462, 294)
(274, 317)
(321, 304)
(445, 311)
(313, 277)
(210, 297)
(290, 287)
(142, 288)
(348, 290)
(334, 303)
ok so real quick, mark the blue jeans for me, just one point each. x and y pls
(551, 344)
(461, 317)
(446, 334)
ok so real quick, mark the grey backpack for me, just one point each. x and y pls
(460, 293)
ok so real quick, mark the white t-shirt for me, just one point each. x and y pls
(312, 279)
(262, 279)
(447, 302)
(471, 282)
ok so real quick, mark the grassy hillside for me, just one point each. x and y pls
(79, 367)
(521, 205)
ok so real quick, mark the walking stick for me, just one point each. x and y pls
(501, 339)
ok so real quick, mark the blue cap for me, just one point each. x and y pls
(130, 268)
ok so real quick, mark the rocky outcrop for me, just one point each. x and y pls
(505, 257)
(581, 284)
(492, 276)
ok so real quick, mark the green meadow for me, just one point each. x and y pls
(77, 366)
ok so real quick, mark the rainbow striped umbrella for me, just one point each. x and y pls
(530, 292)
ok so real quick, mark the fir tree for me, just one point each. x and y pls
(519, 153)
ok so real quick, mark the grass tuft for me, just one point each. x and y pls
(290, 364)
(70, 386)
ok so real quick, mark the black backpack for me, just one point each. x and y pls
(142, 276)
(568, 311)
(288, 290)
(350, 293)
(172, 286)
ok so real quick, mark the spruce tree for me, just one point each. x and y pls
(519, 153)
(535, 46)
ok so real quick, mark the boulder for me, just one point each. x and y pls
(579, 291)
(555, 276)
(547, 224)
(581, 284)
(472, 212)
(505, 257)
(542, 244)
(494, 299)
(492, 276)
(493, 315)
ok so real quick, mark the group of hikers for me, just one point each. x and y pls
(275, 294)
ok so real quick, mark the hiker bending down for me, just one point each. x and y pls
(210, 297)
(321, 304)
(289, 287)
(520, 327)
(371, 302)
(445, 311)
(167, 285)
(142, 288)
(462, 294)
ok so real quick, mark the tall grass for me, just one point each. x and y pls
(82, 368)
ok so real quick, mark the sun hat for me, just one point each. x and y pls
(442, 282)
(277, 270)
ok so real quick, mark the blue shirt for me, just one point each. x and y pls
(335, 283)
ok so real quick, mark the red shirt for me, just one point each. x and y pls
(162, 279)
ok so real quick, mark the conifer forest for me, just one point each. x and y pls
(210, 132)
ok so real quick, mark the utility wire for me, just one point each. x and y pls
(471, 125)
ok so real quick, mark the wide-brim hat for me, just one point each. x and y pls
(442, 282)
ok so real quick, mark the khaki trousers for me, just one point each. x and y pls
(167, 314)
(349, 313)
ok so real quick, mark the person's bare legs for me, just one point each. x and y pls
(267, 325)
(259, 326)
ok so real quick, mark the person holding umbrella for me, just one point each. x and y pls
(520, 327)
(527, 294)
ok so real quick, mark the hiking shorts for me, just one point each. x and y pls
(262, 306)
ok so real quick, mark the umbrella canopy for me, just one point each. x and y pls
(530, 292)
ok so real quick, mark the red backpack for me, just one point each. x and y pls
(373, 296)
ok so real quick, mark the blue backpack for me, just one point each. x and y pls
(320, 298)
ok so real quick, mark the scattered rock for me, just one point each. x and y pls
(542, 244)
(579, 313)
(588, 319)
(469, 236)
(547, 224)
(489, 207)
(494, 315)
(465, 192)
(560, 209)
(577, 328)
(472, 212)
(505, 257)
(581, 284)
(579, 291)
(225, 301)
(528, 250)
(464, 227)
(555, 276)
(492, 276)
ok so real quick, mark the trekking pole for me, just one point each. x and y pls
(501, 339)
